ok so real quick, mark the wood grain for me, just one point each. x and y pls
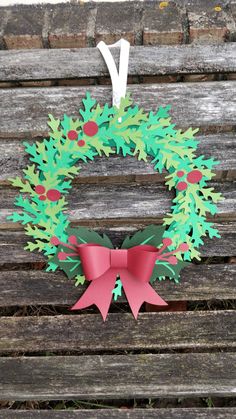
(46, 64)
(133, 200)
(193, 104)
(121, 332)
(198, 282)
(13, 160)
(118, 376)
(119, 208)
(191, 413)
(12, 243)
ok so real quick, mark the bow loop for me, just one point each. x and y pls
(95, 260)
(141, 261)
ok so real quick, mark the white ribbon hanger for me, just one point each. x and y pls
(119, 80)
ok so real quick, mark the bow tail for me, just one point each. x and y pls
(138, 292)
(99, 292)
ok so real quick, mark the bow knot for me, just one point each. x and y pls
(119, 258)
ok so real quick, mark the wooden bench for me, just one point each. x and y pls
(50, 354)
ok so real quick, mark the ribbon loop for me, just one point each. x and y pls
(95, 260)
(141, 261)
(119, 80)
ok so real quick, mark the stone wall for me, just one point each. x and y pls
(72, 25)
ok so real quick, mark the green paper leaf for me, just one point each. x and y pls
(164, 269)
(151, 235)
(54, 124)
(79, 280)
(52, 267)
(37, 245)
(85, 235)
(23, 186)
(88, 103)
(117, 291)
(32, 175)
(72, 265)
(22, 217)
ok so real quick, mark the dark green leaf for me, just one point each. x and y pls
(71, 266)
(151, 235)
(164, 269)
(84, 235)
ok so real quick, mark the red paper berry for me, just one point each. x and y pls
(180, 173)
(173, 260)
(54, 240)
(194, 176)
(72, 240)
(183, 247)
(72, 135)
(81, 143)
(181, 186)
(42, 197)
(90, 128)
(62, 256)
(167, 241)
(53, 195)
(39, 189)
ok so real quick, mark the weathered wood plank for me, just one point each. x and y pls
(13, 242)
(109, 201)
(193, 104)
(88, 333)
(118, 376)
(46, 64)
(198, 282)
(191, 413)
(220, 146)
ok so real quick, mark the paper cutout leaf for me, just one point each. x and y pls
(117, 291)
(85, 235)
(72, 265)
(165, 270)
(79, 280)
(151, 235)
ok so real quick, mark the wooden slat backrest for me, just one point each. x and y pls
(199, 282)
(200, 413)
(118, 376)
(14, 241)
(103, 197)
(221, 146)
(204, 105)
(122, 332)
(87, 62)
(101, 201)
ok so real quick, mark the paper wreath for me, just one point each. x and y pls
(157, 251)
(84, 254)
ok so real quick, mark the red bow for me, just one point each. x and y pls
(101, 266)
